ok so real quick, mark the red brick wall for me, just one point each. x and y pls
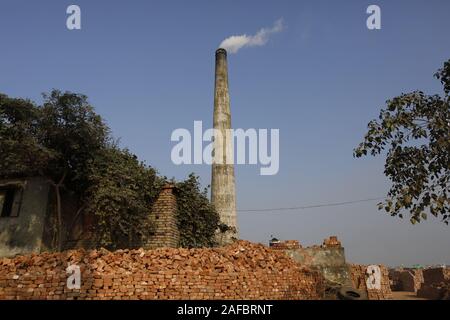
(239, 271)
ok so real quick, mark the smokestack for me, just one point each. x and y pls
(223, 194)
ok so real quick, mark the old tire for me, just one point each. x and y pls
(348, 293)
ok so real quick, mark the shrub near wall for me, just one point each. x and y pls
(239, 271)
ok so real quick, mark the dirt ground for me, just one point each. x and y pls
(404, 295)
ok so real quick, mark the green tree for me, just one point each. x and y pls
(198, 221)
(66, 142)
(120, 196)
(57, 140)
(414, 129)
(21, 152)
(75, 134)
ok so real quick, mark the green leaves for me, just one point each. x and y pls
(444, 76)
(64, 137)
(56, 140)
(21, 152)
(121, 193)
(197, 219)
(415, 131)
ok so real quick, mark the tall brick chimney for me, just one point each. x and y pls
(223, 194)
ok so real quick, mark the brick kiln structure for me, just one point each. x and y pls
(239, 271)
(164, 218)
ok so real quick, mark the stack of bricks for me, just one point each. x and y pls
(436, 284)
(436, 275)
(164, 218)
(239, 271)
(406, 279)
(285, 245)
(358, 274)
(394, 279)
(331, 242)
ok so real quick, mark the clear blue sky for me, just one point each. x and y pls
(148, 68)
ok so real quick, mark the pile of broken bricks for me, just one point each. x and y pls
(242, 270)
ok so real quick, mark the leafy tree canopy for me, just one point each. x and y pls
(197, 219)
(414, 129)
(65, 141)
(57, 140)
(120, 194)
(21, 152)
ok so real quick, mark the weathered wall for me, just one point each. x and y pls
(33, 229)
(23, 234)
(330, 261)
(239, 271)
(359, 277)
(329, 258)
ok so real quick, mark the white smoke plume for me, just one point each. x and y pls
(234, 43)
